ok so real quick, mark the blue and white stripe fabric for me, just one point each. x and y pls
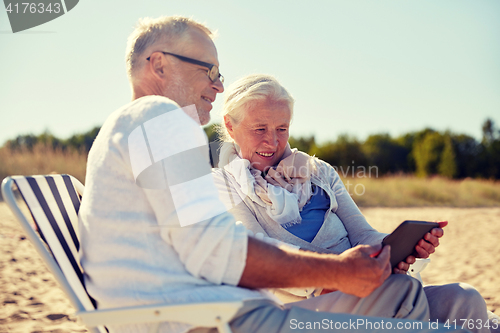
(54, 204)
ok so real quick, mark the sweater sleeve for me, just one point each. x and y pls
(358, 229)
(180, 191)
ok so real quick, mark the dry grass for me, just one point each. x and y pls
(409, 191)
(42, 160)
(393, 191)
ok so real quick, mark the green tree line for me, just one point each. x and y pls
(80, 142)
(424, 153)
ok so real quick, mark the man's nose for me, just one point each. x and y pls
(218, 86)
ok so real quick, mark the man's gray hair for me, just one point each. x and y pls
(241, 94)
(163, 30)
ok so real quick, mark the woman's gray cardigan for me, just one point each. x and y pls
(344, 226)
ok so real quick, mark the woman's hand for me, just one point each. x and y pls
(428, 244)
(404, 266)
(424, 248)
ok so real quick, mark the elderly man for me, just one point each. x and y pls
(152, 227)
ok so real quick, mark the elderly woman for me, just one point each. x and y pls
(286, 195)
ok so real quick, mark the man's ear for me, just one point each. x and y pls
(229, 125)
(158, 65)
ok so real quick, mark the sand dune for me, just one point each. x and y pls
(469, 252)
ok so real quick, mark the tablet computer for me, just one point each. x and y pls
(405, 237)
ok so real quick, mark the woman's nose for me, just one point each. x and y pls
(272, 139)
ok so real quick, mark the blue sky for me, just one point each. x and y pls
(355, 67)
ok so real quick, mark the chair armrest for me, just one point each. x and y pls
(206, 314)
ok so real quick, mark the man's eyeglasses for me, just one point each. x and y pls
(213, 70)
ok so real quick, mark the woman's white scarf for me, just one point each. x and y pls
(285, 189)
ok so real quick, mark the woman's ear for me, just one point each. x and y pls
(229, 125)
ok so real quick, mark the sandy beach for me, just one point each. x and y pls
(469, 252)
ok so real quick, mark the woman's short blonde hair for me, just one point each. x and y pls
(241, 94)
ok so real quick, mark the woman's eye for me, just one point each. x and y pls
(260, 129)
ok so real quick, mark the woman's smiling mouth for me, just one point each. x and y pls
(265, 154)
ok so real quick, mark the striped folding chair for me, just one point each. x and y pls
(54, 202)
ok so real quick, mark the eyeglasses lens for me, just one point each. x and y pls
(214, 74)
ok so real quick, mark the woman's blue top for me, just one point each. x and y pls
(312, 214)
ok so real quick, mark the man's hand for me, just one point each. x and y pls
(424, 248)
(354, 271)
(361, 273)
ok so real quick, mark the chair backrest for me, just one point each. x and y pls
(54, 202)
